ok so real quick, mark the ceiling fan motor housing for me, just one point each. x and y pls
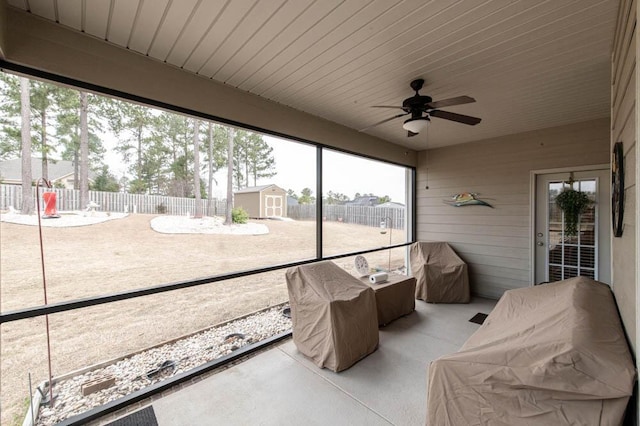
(417, 102)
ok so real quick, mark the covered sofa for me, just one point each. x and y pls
(441, 276)
(333, 314)
(553, 354)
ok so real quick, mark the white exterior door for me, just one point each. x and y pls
(273, 205)
(559, 256)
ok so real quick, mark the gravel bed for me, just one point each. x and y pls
(66, 219)
(204, 225)
(132, 373)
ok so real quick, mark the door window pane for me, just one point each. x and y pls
(569, 255)
(555, 273)
(588, 273)
(570, 272)
(555, 214)
(587, 234)
(587, 257)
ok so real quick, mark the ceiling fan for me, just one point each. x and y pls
(417, 104)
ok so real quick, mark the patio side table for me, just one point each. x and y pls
(394, 298)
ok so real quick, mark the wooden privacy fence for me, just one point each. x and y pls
(69, 200)
(361, 215)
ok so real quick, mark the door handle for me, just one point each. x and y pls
(540, 243)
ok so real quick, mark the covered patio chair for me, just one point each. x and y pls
(441, 276)
(334, 317)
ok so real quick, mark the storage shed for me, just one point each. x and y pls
(262, 201)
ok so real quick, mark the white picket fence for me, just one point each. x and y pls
(361, 215)
(69, 200)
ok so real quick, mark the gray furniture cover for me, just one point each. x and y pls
(553, 354)
(333, 315)
(441, 276)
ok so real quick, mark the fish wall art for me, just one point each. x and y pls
(466, 199)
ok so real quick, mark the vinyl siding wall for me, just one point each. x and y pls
(623, 129)
(496, 243)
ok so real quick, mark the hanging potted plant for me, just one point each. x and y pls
(572, 203)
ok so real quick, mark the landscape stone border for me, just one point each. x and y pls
(46, 416)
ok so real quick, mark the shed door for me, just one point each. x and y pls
(273, 205)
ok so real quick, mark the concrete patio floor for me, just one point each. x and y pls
(281, 387)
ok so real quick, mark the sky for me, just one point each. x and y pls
(344, 173)
(296, 169)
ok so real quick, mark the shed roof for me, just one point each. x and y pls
(256, 189)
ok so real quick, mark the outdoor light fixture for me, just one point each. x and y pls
(416, 125)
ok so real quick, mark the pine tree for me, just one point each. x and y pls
(10, 116)
(261, 161)
(230, 149)
(69, 130)
(216, 158)
(52, 106)
(253, 158)
(105, 181)
(133, 124)
(240, 165)
(210, 150)
(170, 150)
(27, 198)
(43, 108)
(196, 167)
(84, 150)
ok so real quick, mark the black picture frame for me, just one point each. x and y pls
(617, 189)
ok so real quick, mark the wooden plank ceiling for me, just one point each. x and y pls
(529, 64)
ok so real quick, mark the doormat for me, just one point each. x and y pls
(479, 318)
(144, 417)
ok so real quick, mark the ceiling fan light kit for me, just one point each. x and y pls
(416, 125)
(417, 105)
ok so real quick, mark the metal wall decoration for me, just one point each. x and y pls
(466, 199)
(617, 189)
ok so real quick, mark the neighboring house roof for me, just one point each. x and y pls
(11, 170)
(256, 189)
(363, 201)
(292, 201)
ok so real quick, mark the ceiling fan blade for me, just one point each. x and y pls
(451, 101)
(383, 121)
(387, 106)
(410, 133)
(465, 119)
